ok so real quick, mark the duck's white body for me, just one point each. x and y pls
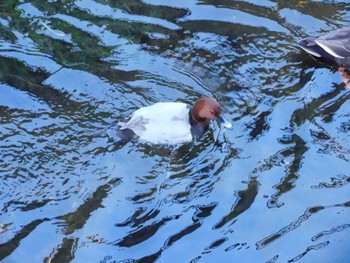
(164, 122)
(171, 122)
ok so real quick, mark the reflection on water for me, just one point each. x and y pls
(70, 70)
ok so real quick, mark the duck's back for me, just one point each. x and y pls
(164, 122)
(336, 43)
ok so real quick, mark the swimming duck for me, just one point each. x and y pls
(171, 122)
(333, 46)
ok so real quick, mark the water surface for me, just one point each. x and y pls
(273, 189)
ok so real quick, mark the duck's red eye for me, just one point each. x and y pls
(212, 112)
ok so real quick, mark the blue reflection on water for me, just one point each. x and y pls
(70, 193)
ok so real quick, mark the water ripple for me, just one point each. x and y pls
(72, 69)
(205, 13)
(107, 11)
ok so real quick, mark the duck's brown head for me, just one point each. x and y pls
(206, 109)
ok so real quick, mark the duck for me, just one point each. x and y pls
(333, 46)
(171, 122)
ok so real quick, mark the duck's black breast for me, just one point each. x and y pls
(126, 135)
(197, 129)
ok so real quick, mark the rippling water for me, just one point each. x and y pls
(273, 189)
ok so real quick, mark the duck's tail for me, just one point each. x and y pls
(310, 46)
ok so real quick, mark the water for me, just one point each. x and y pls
(273, 189)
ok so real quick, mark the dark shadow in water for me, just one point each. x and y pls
(316, 107)
(294, 225)
(184, 232)
(287, 182)
(78, 218)
(330, 232)
(215, 244)
(144, 233)
(308, 249)
(64, 252)
(245, 199)
(272, 260)
(135, 220)
(259, 125)
(201, 212)
(31, 81)
(72, 222)
(7, 248)
(25, 206)
(340, 181)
